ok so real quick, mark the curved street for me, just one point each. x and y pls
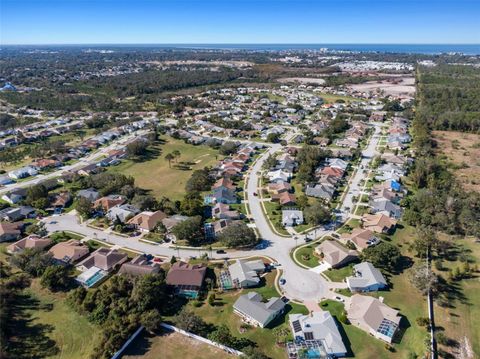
(301, 284)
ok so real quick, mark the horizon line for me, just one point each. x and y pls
(235, 43)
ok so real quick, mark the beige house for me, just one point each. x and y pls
(334, 254)
(373, 316)
(69, 251)
(32, 241)
(146, 221)
(362, 238)
(378, 223)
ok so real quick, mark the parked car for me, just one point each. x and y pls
(220, 251)
(282, 281)
(339, 299)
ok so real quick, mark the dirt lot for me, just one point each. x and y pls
(302, 80)
(396, 86)
(172, 346)
(463, 150)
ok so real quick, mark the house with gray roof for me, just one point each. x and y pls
(245, 274)
(91, 194)
(122, 212)
(384, 206)
(292, 217)
(320, 191)
(253, 310)
(373, 316)
(366, 278)
(321, 327)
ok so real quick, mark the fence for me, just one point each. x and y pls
(118, 354)
(201, 339)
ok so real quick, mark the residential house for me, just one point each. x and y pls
(140, 265)
(279, 187)
(23, 172)
(91, 194)
(245, 274)
(284, 198)
(320, 191)
(224, 183)
(10, 231)
(362, 238)
(253, 310)
(292, 217)
(223, 195)
(122, 212)
(223, 211)
(15, 195)
(4, 180)
(186, 279)
(15, 214)
(32, 241)
(147, 220)
(319, 326)
(69, 251)
(366, 278)
(373, 316)
(279, 176)
(332, 171)
(108, 202)
(60, 200)
(106, 259)
(334, 254)
(378, 223)
(384, 206)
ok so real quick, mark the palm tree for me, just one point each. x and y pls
(169, 157)
(176, 154)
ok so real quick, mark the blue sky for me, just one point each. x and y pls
(239, 21)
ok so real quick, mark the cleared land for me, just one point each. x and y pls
(172, 346)
(397, 86)
(302, 80)
(463, 151)
(155, 173)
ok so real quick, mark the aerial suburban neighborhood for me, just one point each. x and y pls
(253, 202)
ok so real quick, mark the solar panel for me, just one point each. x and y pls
(296, 326)
(308, 336)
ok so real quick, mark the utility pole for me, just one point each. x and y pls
(433, 344)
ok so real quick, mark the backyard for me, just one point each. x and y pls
(164, 179)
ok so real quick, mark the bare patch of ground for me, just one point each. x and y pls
(463, 150)
(403, 87)
(302, 80)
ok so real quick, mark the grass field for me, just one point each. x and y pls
(463, 151)
(171, 346)
(338, 275)
(222, 313)
(156, 175)
(331, 98)
(47, 327)
(306, 256)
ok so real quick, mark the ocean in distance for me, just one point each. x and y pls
(431, 49)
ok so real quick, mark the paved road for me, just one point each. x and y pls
(301, 284)
(91, 158)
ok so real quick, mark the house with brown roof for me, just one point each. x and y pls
(69, 251)
(108, 202)
(378, 223)
(279, 187)
(186, 279)
(46, 163)
(284, 198)
(223, 211)
(147, 220)
(334, 254)
(140, 265)
(9, 231)
(332, 171)
(33, 241)
(106, 259)
(61, 200)
(362, 238)
(224, 183)
(373, 316)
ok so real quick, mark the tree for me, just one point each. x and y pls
(424, 279)
(227, 148)
(317, 213)
(302, 201)
(273, 137)
(200, 180)
(189, 230)
(37, 196)
(192, 323)
(176, 154)
(137, 148)
(84, 207)
(32, 261)
(426, 239)
(149, 291)
(169, 157)
(384, 255)
(151, 320)
(238, 235)
(192, 204)
(55, 277)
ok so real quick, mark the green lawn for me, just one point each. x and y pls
(338, 275)
(222, 313)
(156, 175)
(331, 98)
(305, 255)
(275, 216)
(48, 327)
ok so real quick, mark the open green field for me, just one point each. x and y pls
(48, 328)
(222, 313)
(156, 175)
(338, 275)
(171, 346)
(331, 98)
(306, 255)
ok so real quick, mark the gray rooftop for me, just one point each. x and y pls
(251, 305)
